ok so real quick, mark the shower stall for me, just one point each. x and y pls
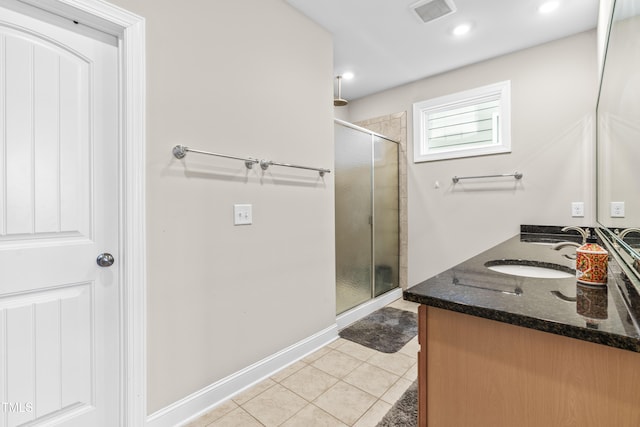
(367, 205)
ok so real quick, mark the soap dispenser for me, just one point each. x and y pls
(592, 261)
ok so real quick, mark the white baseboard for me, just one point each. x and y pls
(202, 401)
(357, 313)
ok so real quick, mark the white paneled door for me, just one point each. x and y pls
(59, 310)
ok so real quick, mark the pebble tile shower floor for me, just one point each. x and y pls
(341, 384)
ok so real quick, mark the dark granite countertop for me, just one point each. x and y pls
(558, 306)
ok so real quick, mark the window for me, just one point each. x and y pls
(475, 122)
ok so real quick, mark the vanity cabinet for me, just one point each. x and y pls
(484, 373)
(500, 350)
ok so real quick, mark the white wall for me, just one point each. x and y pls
(605, 12)
(249, 78)
(341, 113)
(553, 89)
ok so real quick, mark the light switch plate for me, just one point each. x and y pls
(577, 209)
(242, 215)
(617, 209)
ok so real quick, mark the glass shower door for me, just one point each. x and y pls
(385, 215)
(353, 217)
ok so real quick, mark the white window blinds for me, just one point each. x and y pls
(469, 123)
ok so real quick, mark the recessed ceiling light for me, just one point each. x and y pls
(347, 75)
(548, 7)
(462, 29)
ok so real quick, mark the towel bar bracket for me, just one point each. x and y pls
(179, 151)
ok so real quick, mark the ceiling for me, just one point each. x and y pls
(385, 44)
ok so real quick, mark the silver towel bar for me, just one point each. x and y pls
(264, 164)
(516, 175)
(179, 151)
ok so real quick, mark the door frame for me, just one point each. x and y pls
(129, 30)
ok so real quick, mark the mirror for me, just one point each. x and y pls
(618, 135)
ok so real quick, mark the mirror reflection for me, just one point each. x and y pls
(618, 132)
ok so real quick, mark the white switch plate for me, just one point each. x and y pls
(242, 215)
(577, 209)
(617, 209)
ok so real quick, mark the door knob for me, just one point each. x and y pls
(105, 260)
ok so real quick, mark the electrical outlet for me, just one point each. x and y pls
(577, 209)
(617, 209)
(242, 215)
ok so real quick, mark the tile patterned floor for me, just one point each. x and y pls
(341, 384)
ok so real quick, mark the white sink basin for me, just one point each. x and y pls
(526, 269)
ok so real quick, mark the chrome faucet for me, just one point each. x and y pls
(622, 234)
(583, 232)
(626, 231)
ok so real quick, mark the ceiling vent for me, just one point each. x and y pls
(430, 10)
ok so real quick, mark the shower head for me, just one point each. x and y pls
(339, 102)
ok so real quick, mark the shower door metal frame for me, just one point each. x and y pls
(372, 220)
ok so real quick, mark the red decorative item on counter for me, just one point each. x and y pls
(592, 261)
